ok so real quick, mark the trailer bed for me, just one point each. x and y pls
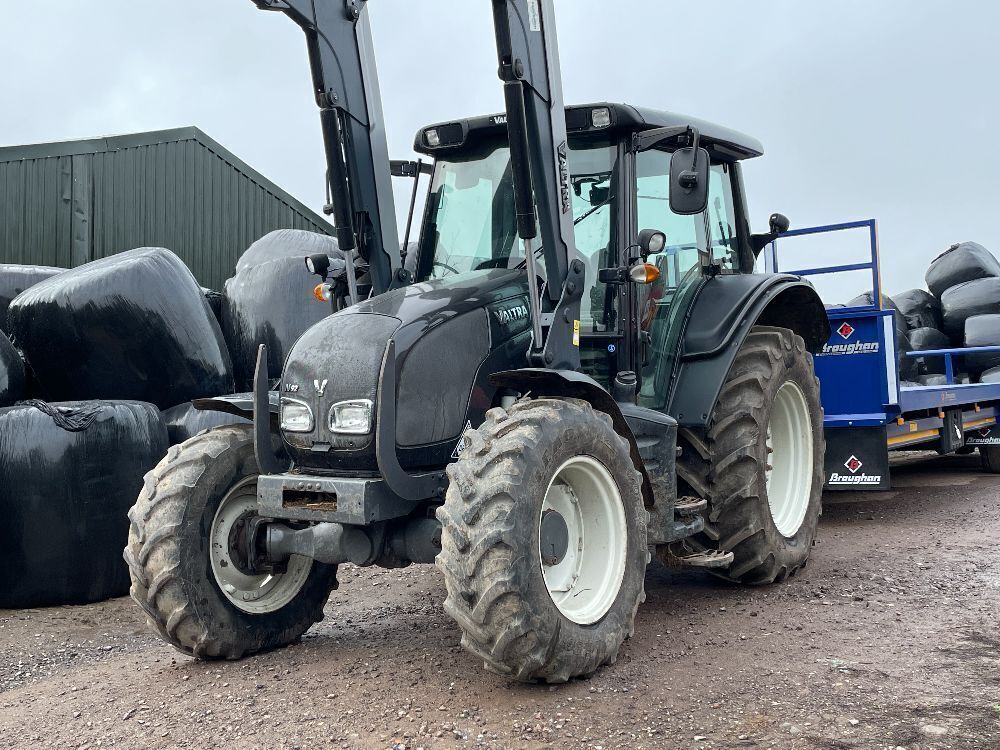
(868, 412)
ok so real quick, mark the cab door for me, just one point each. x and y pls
(696, 246)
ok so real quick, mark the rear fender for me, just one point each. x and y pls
(720, 321)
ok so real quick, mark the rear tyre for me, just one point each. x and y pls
(760, 463)
(989, 456)
(544, 541)
(184, 555)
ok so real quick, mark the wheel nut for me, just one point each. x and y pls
(229, 588)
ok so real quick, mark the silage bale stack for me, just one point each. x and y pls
(965, 278)
(108, 345)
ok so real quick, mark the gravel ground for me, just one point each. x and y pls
(890, 638)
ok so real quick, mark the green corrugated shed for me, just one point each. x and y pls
(64, 204)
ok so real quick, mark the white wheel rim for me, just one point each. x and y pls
(790, 459)
(255, 594)
(585, 582)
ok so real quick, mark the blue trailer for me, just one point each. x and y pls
(868, 411)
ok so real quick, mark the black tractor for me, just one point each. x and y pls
(574, 367)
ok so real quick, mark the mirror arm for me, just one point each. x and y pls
(759, 241)
(646, 139)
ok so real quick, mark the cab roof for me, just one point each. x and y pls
(724, 144)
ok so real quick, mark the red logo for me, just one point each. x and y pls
(853, 464)
(845, 330)
(985, 431)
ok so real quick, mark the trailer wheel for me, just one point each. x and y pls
(544, 541)
(184, 555)
(989, 456)
(760, 463)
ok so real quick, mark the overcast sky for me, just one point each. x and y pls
(885, 109)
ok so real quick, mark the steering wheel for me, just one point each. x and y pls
(437, 263)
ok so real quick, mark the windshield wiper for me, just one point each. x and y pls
(577, 220)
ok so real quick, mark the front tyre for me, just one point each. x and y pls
(185, 555)
(544, 541)
(760, 463)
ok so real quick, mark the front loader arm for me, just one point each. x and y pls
(528, 56)
(345, 82)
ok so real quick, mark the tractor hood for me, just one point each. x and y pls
(447, 337)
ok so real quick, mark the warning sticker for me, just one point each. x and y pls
(461, 444)
(534, 17)
(576, 333)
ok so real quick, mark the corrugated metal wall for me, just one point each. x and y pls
(64, 204)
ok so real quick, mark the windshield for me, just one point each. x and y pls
(470, 223)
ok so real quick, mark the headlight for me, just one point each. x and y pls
(351, 417)
(296, 416)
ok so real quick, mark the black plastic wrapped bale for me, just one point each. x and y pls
(14, 279)
(868, 298)
(982, 330)
(908, 368)
(184, 421)
(962, 262)
(131, 326)
(71, 471)
(923, 339)
(287, 243)
(921, 309)
(958, 304)
(271, 304)
(12, 379)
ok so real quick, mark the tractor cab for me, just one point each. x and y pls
(469, 226)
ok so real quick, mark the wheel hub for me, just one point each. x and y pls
(254, 592)
(789, 468)
(238, 547)
(554, 539)
(582, 540)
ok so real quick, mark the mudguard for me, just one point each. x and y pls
(572, 384)
(726, 308)
(240, 404)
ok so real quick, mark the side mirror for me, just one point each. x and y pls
(778, 224)
(689, 170)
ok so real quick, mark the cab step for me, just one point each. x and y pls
(690, 506)
(710, 558)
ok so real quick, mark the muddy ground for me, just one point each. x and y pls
(890, 638)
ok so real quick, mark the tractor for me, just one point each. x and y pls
(574, 368)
